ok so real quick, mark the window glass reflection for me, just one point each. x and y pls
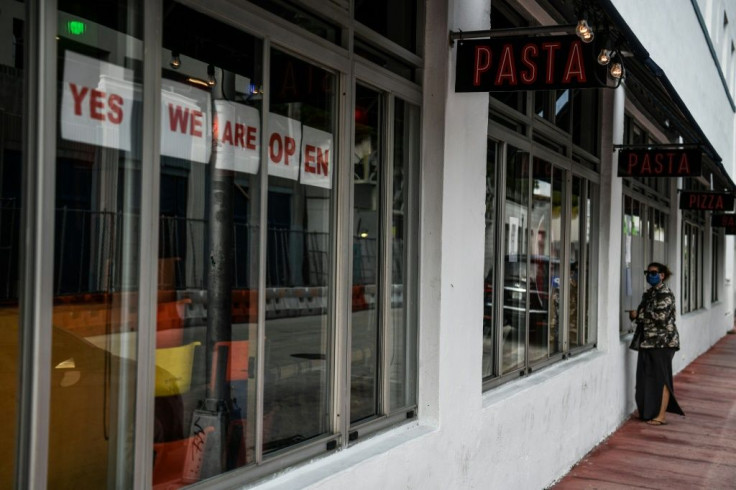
(299, 253)
(489, 263)
(558, 270)
(563, 104)
(516, 278)
(403, 335)
(576, 254)
(585, 119)
(367, 170)
(12, 79)
(586, 274)
(634, 260)
(541, 269)
(395, 19)
(96, 245)
(206, 331)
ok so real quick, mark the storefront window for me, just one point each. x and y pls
(253, 363)
(716, 268)
(692, 262)
(382, 265)
(12, 79)
(645, 232)
(403, 354)
(633, 254)
(543, 264)
(206, 336)
(302, 17)
(489, 263)
(368, 169)
(543, 290)
(644, 241)
(95, 317)
(299, 253)
(576, 316)
(395, 20)
(515, 275)
(585, 276)
(585, 116)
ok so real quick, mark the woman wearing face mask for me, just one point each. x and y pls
(656, 317)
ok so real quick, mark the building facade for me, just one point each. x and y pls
(281, 244)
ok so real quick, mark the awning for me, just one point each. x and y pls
(648, 84)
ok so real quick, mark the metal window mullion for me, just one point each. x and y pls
(563, 322)
(410, 288)
(528, 259)
(148, 245)
(248, 17)
(383, 285)
(344, 261)
(500, 224)
(36, 299)
(262, 256)
(583, 210)
(592, 257)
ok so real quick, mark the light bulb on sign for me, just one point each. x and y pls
(617, 70)
(584, 31)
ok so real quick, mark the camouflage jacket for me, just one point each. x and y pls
(656, 315)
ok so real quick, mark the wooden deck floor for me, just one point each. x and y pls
(697, 451)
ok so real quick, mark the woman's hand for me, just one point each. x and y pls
(632, 314)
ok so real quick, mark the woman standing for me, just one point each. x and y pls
(659, 341)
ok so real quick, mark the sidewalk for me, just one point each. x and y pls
(697, 451)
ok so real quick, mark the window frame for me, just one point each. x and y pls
(653, 195)
(509, 127)
(692, 292)
(716, 269)
(38, 216)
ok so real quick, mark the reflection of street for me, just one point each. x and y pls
(297, 379)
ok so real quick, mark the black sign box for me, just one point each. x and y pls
(723, 220)
(706, 201)
(508, 64)
(660, 163)
(730, 230)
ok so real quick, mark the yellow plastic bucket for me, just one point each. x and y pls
(174, 369)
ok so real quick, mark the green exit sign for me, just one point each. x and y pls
(76, 27)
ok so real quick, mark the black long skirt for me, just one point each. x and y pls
(653, 372)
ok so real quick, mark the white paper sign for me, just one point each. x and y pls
(316, 156)
(284, 146)
(185, 122)
(97, 102)
(513, 238)
(237, 135)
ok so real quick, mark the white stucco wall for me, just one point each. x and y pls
(670, 31)
(526, 433)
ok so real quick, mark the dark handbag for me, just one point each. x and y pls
(637, 338)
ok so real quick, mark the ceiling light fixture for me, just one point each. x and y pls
(175, 61)
(211, 81)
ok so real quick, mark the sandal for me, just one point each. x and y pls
(656, 422)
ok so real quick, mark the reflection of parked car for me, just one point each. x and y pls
(541, 282)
